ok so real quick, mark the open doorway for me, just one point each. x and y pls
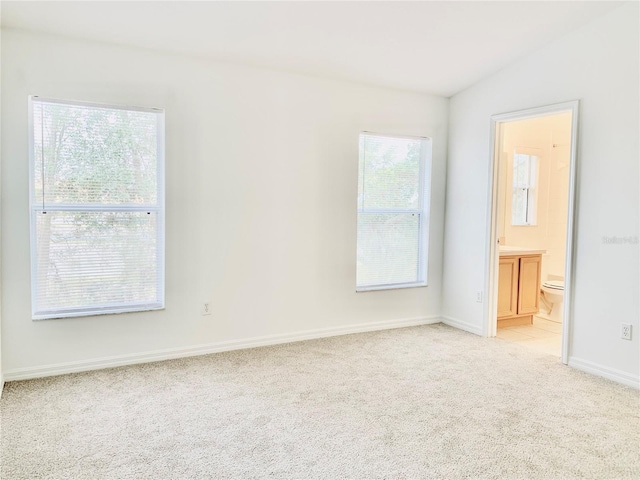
(531, 228)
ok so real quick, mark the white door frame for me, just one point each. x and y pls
(491, 269)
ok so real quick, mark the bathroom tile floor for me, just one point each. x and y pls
(544, 336)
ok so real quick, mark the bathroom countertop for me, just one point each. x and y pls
(506, 250)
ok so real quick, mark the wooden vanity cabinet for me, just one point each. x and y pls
(518, 289)
(508, 287)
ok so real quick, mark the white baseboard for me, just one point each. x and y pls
(467, 327)
(1, 384)
(204, 349)
(606, 372)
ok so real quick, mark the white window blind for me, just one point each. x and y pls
(523, 199)
(393, 192)
(97, 208)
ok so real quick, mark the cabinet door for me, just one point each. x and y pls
(508, 287)
(529, 290)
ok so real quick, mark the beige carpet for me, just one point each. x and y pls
(423, 402)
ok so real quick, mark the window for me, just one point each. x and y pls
(393, 192)
(97, 208)
(523, 200)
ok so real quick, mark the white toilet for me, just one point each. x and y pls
(553, 296)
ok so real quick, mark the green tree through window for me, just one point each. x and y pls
(97, 209)
(391, 211)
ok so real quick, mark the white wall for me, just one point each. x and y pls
(261, 198)
(549, 139)
(1, 370)
(597, 64)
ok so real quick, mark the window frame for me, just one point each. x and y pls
(531, 190)
(36, 208)
(425, 176)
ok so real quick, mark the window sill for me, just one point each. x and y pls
(390, 287)
(98, 311)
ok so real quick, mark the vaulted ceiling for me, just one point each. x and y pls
(434, 47)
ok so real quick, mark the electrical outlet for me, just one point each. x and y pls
(206, 308)
(479, 296)
(625, 331)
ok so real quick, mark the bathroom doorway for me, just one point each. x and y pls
(530, 258)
